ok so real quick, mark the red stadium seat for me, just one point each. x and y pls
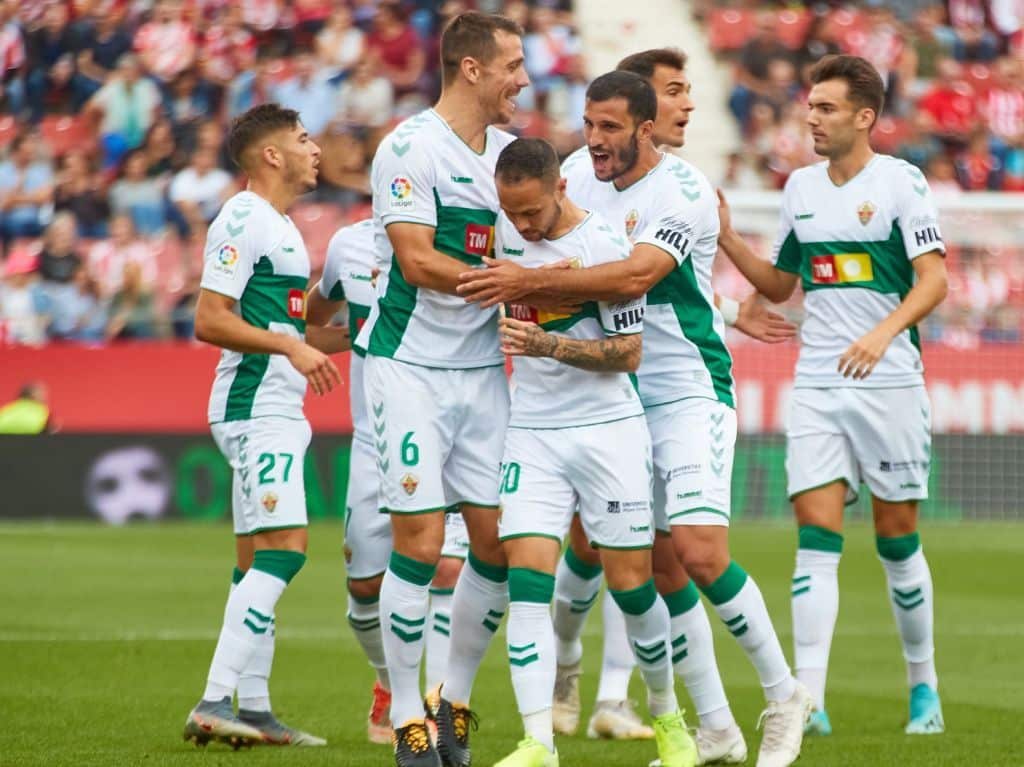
(730, 28)
(792, 26)
(63, 133)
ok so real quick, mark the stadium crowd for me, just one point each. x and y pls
(954, 72)
(113, 115)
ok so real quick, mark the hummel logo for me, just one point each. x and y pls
(288, 250)
(462, 180)
(804, 216)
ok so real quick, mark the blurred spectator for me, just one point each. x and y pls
(133, 312)
(26, 189)
(74, 310)
(919, 146)
(822, 40)
(309, 93)
(139, 196)
(397, 48)
(884, 45)
(50, 62)
(950, 102)
(58, 262)
(20, 301)
(166, 44)
(926, 39)
(1003, 106)
(340, 45)
(107, 258)
(183, 313)
(251, 88)
(752, 66)
(160, 150)
(365, 100)
(126, 106)
(29, 413)
(188, 100)
(309, 16)
(977, 168)
(228, 48)
(739, 174)
(210, 135)
(199, 190)
(548, 47)
(1002, 326)
(80, 190)
(102, 41)
(780, 86)
(12, 60)
(972, 39)
(941, 175)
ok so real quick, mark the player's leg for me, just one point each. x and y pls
(412, 436)
(537, 502)
(821, 476)
(270, 507)
(472, 475)
(577, 585)
(442, 589)
(367, 552)
(613, 477)
(893, 446)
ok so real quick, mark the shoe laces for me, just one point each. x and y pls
(462, 720)
(415, 736)
(776, 735)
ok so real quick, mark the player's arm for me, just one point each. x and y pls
(216, 323)
(928, 292)
(329, 340)
(623, 280)
(422, 265)
(751, 317)
(620, 353)
(319, 309)
(773, 283)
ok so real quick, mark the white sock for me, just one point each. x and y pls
(254, 682)
(815, 605)
(248, 617)
(913, 604)
(404, 601)
(693, 657)
(738, 602)
(364, 618)
(478, 605)
(576, 587)
(531, 650)
(617, 661)
(438, 636)
(647, 625)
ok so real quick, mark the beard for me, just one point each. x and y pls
(626, 158)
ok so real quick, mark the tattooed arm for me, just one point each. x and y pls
(619, 353)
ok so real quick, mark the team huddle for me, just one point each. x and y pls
(616, 429)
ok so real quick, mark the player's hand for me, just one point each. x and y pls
(524, 339)
(502, 281)
(316, 367)
(860, 359)
(724, 214)
(758, 321)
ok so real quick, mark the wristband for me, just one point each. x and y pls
(730, 309)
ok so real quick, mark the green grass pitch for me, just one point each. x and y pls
(106, 634)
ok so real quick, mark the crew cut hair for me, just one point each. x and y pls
(864, 86)
(525, 159)
(256, 124)
(472, 34)
(645, 62)
(641, 101)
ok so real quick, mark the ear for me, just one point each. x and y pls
(865, 119)
(646, 130)
(562, 184)
(470, 69)
(272, 156)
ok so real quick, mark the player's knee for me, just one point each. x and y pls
(704, 563)
(447, 574)
(365, 588)
(584, 551)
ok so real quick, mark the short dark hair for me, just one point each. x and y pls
(472, 34)
(864, 85)
(527, 158)
(645, 62)
(255, 124)
(641, 101)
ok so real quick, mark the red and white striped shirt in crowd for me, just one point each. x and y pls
(1004, 110)
(167, 48)
(227, 51)
(12, 48)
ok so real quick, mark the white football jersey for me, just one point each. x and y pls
(852, 246)
(673, 208)
(348, 276)
(255, 255)
(423, 173)
(546, 393)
